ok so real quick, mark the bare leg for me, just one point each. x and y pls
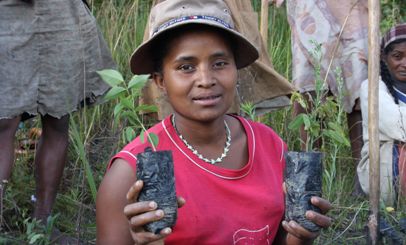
(8, 128)
(50, 160)
(354, 120)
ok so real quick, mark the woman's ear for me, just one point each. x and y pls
(159, 81)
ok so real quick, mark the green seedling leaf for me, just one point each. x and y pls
(336, 133)
(112, 77)
(117, 109)
(129, 134)
(142, 139)
(146, 108)
(297, 97)
(335, 126)
(306, 121)
(337, 137)
(127, 103)
(153, 139)
(297, 122)
(138, 82)
(131, 117)
(114, 92)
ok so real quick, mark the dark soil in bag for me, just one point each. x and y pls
(155, 168)
(303, 179)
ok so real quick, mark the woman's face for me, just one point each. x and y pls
(396, 61)
(199, 75)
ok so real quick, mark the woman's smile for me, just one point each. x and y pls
(207, 100)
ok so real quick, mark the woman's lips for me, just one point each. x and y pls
(208, 100)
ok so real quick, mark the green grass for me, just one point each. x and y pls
(94, 139)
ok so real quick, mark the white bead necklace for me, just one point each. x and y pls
(200, 156)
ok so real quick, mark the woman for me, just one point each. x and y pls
(392, 117)
(228, 171)
(50, 51)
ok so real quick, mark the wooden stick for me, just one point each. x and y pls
(374, 9)
(264, 21)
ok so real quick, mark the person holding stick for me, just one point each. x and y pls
(392, 119)
(228, 170)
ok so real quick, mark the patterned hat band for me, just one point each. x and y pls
(170, 15)
(395, 33)
(188, 18)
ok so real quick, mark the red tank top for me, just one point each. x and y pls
(224, 206)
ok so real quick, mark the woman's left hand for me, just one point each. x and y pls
(296, 230)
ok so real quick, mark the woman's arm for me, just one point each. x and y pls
(112, 224)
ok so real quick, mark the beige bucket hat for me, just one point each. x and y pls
(171, 14)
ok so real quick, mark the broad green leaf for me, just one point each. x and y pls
(127, 103)
(335, 126)
(306, 121)
(114, 92)
(131, 116)
(138, 81)
(112, 77)
(337, 137)
(129, 134)
(297, 122)
(153, 139)
(146, 108)
(117, 109)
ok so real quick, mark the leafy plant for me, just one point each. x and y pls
(248, 108)
(319, 108)
(37, 233)
(127, 107)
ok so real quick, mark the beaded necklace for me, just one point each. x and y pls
(200, 156)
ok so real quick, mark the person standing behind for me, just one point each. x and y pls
(50, 51)
(341, 27)
(392, 119)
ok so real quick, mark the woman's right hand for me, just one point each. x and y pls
(141, 213)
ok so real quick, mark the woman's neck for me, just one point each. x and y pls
(201, 133)
(400, 85)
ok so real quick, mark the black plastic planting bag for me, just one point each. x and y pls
(155, 169)
(303, 179)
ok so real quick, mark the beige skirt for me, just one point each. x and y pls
(50, 51)
(321, 21)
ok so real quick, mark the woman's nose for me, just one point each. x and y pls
(205, 77)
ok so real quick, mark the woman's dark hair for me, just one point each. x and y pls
(162, 44)
(385, 74)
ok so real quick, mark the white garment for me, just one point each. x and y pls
(392, 126)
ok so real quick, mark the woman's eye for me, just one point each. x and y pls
(186, 67)
(396, 56)
(220, 64)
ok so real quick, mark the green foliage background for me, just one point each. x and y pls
(95, 138)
